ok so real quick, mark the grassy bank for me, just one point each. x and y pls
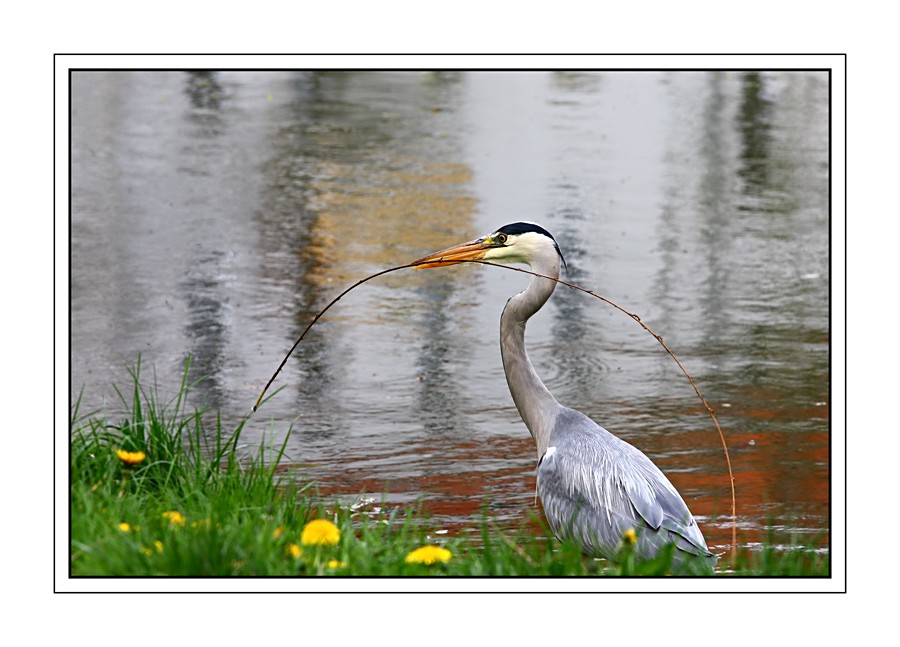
(159, 492)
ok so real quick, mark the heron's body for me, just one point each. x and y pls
(594, 487)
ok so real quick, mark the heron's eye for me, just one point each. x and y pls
(501, 238)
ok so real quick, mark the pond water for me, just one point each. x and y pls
(214, 213)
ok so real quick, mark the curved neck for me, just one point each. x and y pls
(535, 403)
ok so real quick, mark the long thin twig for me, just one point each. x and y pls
(313, 323)
(572, 286)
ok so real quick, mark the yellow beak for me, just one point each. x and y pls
(473, 250)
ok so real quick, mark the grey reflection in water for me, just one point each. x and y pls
(203, 290)
(716, 218)
(575, 371)
(442, 358)
(755, 130)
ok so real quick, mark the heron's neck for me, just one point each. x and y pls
(535, 403)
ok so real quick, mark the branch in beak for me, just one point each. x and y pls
(473, 250)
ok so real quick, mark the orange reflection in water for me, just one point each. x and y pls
(781, 482)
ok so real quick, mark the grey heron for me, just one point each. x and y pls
(594, 487)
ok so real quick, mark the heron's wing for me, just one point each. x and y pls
(659, 504)
(592, 515)
(594, 487)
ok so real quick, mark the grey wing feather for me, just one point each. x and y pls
(595, 486)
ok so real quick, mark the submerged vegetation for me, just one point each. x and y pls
(165, 492)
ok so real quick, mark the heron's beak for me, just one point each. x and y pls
(471, 251)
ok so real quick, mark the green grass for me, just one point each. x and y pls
(243, 516)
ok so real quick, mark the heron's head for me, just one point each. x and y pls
(518, 242)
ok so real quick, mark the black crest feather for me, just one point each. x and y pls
(518, 228)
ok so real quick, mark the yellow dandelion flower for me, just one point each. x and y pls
(157, 547)
(630, 536)
(130, 458)
(428, 555)
(278, 532)
(336, 564)
(124, 527)
(320, 532)
(175, 518)
(294, 551)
